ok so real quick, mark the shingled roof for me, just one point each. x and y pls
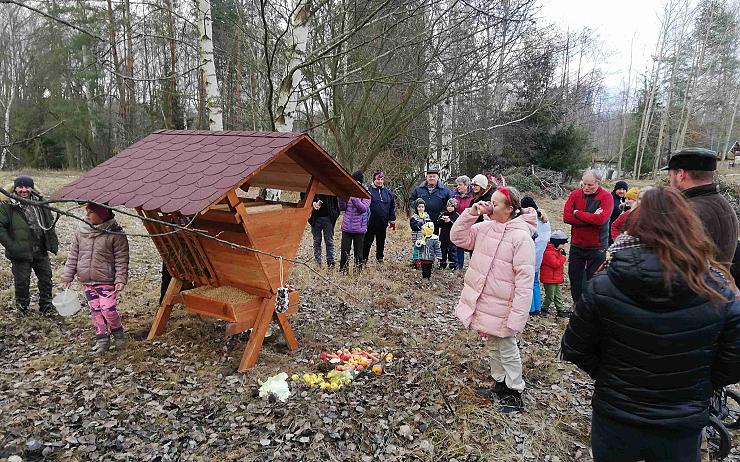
(188, 170)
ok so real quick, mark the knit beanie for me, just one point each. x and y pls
(633, 193)
(26, 181)
(529, 202)
(420, 201)
(480, 180)
(558, 237)
(452, 202)
(104, 213)
(621, 185)
(427, 229)
(358, 176)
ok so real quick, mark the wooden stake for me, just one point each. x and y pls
(165, 309)
(254, 345)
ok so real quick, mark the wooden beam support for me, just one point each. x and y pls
(287, 331)
(165, 309)
(313, 185)
(254, 345)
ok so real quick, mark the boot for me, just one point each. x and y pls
(511, 402)
(500, 390)
(119, 338)
(102, 344)
(47, 310)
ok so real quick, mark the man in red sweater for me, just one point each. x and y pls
(587, 210)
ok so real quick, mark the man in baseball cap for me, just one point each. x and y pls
(691, 170)
(434, 193)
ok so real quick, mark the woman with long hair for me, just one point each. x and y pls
(658, 330)
(497, 295)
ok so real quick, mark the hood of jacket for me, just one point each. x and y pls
(108, 225)
(638, 273)
(527, 221)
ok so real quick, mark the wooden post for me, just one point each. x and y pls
(287, 331)
(254, 345)
(165, 309)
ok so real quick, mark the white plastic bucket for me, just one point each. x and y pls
(66, 303)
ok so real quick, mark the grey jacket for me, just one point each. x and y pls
(432, 250)
(98, 257)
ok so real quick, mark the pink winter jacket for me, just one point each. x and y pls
(498, 284)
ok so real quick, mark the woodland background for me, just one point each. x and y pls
(469, 85)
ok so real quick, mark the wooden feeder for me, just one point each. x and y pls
(193, 178)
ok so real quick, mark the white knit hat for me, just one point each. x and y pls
(480, 180)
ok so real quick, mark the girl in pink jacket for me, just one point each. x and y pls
(99, 257)
(497, 295)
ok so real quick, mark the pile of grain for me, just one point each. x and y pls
(224, 294)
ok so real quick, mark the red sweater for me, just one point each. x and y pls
(551, 271)
(618, 225)
(589, 230)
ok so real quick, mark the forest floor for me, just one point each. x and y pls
(179, 397)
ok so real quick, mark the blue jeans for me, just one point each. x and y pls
(323, 228)
(613, 441)
(460, 258)
(536, 295)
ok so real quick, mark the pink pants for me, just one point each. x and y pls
(101, 298)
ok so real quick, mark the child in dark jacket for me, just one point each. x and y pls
(444, 225)
(551, 271)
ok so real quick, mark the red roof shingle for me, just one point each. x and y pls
(185, 171)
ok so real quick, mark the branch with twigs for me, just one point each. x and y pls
(38, 135)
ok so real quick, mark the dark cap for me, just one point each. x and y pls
(693, 159)
(528, 201)
(432, 169)
(26, 181)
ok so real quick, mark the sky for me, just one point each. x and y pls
(616, 23)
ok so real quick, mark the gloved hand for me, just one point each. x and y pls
(392, 225)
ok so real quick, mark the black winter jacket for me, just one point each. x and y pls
(330, 202)
(382, 206)
(656, 356)
(720, 221)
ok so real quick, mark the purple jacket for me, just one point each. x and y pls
(356, 214)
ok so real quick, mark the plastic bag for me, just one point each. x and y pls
(277, 385)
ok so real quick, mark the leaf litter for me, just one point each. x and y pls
(178, 398)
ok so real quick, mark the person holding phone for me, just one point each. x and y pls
(323, 219)
(382, 217)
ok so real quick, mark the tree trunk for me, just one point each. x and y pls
(650, 99)
(6, 147)
(116, 62)
(130, 85)
(692, 84)
(664, 118)
(625, 114)
(213, 109)
(287, 101)
(731, 124)
(172, 93)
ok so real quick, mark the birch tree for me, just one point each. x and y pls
(287, 100)
(213, 108)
